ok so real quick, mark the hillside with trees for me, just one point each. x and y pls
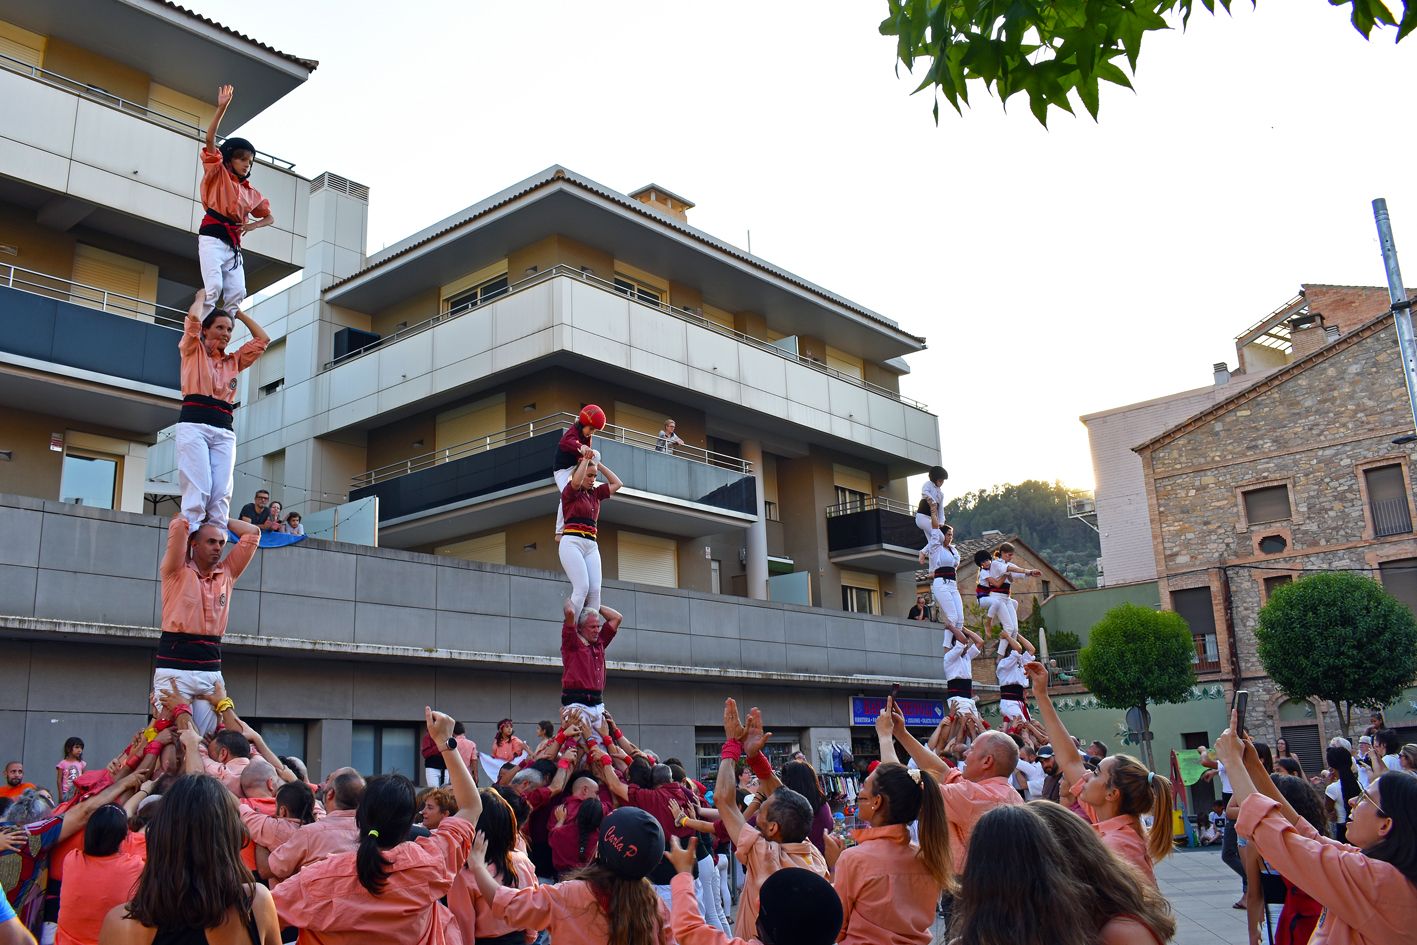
(1038, 513)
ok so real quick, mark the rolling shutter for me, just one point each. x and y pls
(847, 364)
(22, 45)
(854, 479)
(489, 548)
(639, 420)
(647, 559)
(109, 272)
(475, 421)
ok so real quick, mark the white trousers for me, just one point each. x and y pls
(706, 888)
(963, 705)
(435, 777)
(191, 685)
(223, 276)
(593, 715)
(922, 522)
(1011, 711)
(563, 479)
(580, 557)
(947, 599)
(206, 461)
(1005, 611)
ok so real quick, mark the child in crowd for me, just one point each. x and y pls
(506, 746)
(230, 203)
(1215, 829)
(573, 447)
(69, 768)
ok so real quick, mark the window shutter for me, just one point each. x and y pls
(647, 559)
(854, 479)
(270, 366)
(1267, 504)
(489, 548)
(24, 52)
(109, 272)
(639, 420)
(470, 422)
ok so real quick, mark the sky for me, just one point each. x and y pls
(1054, 272)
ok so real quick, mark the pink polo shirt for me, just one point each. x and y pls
(326, 901)
(568, 911)
(473, 913)
(223, 192)
(213, 376)
(688, 923)
(1121, 834)
(761, 858)
(887, 895)
(228, 773)
(336, 832)
(93, 885)
(965, 802)
(192, 603)
(1365, 901)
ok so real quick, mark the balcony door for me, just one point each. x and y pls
(647, 559)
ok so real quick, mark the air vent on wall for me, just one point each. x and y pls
(340, 185)
(1272, 544)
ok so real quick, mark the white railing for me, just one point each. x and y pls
(869, 503)
(67, 290)
(554, 423)
(104, 97)
(682, 314)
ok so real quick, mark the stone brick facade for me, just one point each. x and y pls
(1313, 428)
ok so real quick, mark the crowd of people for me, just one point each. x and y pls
(270, 516)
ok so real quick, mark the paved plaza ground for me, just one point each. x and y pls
(1202, 890)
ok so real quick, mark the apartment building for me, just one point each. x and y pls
(1123, 517)
(102, 105)
(438, 374)
(1296, 473)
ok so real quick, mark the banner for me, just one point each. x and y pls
(918, 712)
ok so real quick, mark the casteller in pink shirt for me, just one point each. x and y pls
(473, 913)
(965, 802)
(336, 832)
(569, 911)
(761, 858)
(887, 895)
(1366, 901)
(1121, 834)
(329, 905)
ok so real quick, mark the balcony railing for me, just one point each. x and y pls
(555, 423)
(1063, 665)
(67, 290)
(1391, 516)
(1207, 654)
(683, 314)
(870, 504)
(104, 97)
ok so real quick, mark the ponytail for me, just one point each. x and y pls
(1145, 792)
(631, 906)
(934, 832)
(384, 816)
(370, 865)
(1159, 842)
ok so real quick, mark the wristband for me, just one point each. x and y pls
(604, 759)
(683, 820)
(223, 705)
(760, 765)
(732, 750)
(180, 709)
(562, 763)
(617, 734)
(154, 748)
(561, 738)
(132, 763)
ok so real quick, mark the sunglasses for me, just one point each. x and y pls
(1364, 795)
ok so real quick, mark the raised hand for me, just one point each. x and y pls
(440, 726)
(477, 856)
(224, 95)
(732, 724)
(1038, 675)
(754, 738)
(681, 857)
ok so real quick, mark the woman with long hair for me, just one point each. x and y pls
(802, 778)
(509, 866)
(1015, 889)
(195, 888)
(1117, 796)
(1368, 886)
(885, 881)
(1124, 908)
(1301, 912)
(610, 902)
(96, 878)
(573, 840)
(387, 890)
(1343, 787)
(505, 744)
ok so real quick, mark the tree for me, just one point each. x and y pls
(1338, 637)
(1136, 656)
(1052, 50)
(1038, 513)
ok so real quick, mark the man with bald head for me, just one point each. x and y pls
(336, 832)
(196, 599)
(989, 763)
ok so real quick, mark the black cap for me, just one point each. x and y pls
(798, 907)
(631, 843)
(1045, 752)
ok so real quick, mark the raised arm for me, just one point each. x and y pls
(754, 741)
(440, 729)
(1065, 753)
(257, 332)
(178, 534)
(223, 99)
(885, 725)
(611, 480)
(241, 528)
(725, 793)
(578, 477)
(924, 758)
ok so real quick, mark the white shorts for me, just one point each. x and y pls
(191, 685)
(592, 714)
(963, 705)
(1012, 710)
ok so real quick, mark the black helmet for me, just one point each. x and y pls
(232, 145)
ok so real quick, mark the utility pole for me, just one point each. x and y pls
(1401, 310)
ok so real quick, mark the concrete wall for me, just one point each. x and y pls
(1079, 611)
(332, 634)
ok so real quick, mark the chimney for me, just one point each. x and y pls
(665, 201)
(1306, 334)
(1222, 373)
(338, 225)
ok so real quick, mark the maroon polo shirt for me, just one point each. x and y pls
(584, 663)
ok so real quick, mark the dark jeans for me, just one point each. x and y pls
(1230, 852)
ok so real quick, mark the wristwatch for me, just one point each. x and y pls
(450, 745)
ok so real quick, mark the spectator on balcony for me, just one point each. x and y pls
(274, 523)
(233, 208)
(667, 439)
(293, 525)
(921, 610)
(258, 510)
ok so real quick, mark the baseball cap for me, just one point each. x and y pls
(631, 843)
(1045, 752)
(798, 906)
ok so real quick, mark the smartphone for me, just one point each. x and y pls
(1239, 706)
(895, 692)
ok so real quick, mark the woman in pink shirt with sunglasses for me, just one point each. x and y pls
(1368, 886)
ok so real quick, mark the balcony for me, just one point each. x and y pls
(505, 478)
(562, 315)
(76, 351)
(874, 533)
(78, 154)
(1207, 654)
(1391, 517)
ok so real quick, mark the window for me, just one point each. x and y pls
(706, 750)
(489, 548)
(635, 290)
(285, 738)
(1400, 580)
(89, 479)
(648, 559)
(1272, 584)
(114, 283)
(1047, 589)
(467, 428)
(1266, 504)
(849, 500)
(1387, 500)
(1305, 741)
(860, 593)
(477, 295)
(1272, 544)
(1194, 606)
(387, 748)
(716, 576)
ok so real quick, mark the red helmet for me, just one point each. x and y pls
(591, 416)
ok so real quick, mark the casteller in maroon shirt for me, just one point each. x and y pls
(583, 662)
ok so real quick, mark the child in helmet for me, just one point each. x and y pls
(574, 445)
(233, 208)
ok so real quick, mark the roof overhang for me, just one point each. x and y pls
(175, 46)
(74, 394)
(886, 559)
(558, 203)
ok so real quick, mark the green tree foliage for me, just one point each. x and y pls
(1038, 513)
(1055, 50)
(1339, 637)
(1136, 656)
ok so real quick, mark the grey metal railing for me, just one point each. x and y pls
(1064, 661)
(104, 97)
(867, 504)
(1391, 516)
(553, 423)
(67, 290)
(683, 314)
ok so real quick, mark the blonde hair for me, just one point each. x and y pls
(1145, 792)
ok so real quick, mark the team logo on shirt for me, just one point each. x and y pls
(232, 385)
(221, 601)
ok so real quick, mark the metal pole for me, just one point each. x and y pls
(1401, 307)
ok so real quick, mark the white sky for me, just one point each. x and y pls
(1068, 270)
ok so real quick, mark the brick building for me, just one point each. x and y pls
(1297, 472)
